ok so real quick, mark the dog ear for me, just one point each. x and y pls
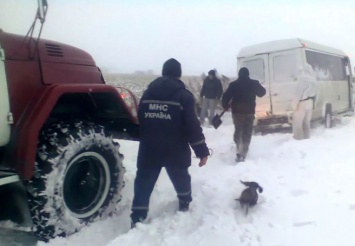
(245, 183)
(260, 189)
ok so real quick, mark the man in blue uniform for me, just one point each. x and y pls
(168, 127)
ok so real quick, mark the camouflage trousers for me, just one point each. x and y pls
(208, 105)
(243, 125)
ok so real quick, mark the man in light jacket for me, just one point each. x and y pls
(304, 103)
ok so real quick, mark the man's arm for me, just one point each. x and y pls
(202, 93)
(259, 90)
(298, 92)
(227, 96)
(315, 99)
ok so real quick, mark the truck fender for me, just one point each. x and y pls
(24, 140)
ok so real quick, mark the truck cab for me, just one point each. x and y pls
(60, 128)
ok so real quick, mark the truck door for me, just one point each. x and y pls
(5, 116)
(258, 67)
(284, 67)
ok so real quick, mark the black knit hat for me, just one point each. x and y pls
(212, 72)
(243, 72)
(172, 68)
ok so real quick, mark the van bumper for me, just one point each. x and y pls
(272, 123)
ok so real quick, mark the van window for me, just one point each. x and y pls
(284, 67)
(256, 69)
(326, 67)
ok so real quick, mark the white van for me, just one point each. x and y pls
(276, 64)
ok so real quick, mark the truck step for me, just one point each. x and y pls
(8, 177)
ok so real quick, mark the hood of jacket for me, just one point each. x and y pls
(164, 88)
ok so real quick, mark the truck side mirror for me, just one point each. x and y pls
(42, 10)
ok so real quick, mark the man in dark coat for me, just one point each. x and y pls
(168, 127)
(240, 96)
(211, 93)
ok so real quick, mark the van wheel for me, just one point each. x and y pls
(328, 121)
(77, 180)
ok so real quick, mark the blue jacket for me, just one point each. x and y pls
(168, 125)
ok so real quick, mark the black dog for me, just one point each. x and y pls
(249, 196)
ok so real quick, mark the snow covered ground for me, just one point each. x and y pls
(307, 200)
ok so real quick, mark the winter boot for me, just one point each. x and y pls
(134, 223)
(240, 158)
(183, 206)
(137, 218)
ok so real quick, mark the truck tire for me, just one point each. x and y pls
(77, 180)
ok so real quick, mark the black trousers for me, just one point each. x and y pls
(144, 184)
(243, 131)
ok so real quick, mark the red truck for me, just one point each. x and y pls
(58, 122)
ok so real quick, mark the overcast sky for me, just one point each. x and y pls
(125, 36)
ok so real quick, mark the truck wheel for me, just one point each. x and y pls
(328, 121)
(77, 180)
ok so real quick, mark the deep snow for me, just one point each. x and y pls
(307, 200)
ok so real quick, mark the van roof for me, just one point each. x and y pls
(285, 44)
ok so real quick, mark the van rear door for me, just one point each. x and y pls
(284, 66)
(259, 69)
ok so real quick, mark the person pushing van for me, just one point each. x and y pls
(303, 103)
(241, 95)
